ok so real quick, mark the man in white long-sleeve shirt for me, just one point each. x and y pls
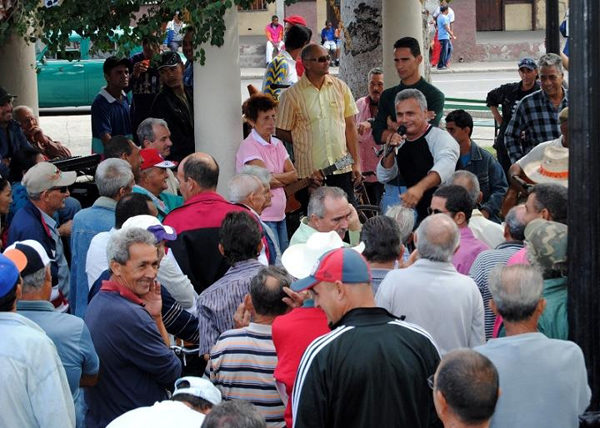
(34, 391)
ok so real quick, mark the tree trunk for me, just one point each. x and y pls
(362, 44)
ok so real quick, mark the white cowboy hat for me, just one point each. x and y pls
(299, 259)
(553, 168)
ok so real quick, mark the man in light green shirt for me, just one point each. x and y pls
(329, 210)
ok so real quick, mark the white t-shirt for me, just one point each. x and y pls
(450, 14)
(164, 414)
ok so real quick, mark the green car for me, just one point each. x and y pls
(73, 78)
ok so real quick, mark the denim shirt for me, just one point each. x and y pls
(18, 140)
(492, 180)
(100, 217)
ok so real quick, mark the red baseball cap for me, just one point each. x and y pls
(295, 20)
(151, 158)
(342, 264)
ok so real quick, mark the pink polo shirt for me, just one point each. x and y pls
(366, 143)
(274, 155)
(276, 33)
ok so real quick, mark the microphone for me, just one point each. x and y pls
(401, 131)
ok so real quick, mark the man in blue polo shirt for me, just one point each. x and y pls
(69, 333)
(110, 109)
(126, 324)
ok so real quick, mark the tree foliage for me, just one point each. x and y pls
(99, 20)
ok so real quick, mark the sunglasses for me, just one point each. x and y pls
(325, 58)
(62, 189)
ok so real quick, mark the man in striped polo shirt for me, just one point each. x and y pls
(243, 360)
(514, 235)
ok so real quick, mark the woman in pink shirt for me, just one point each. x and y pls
(264, 150)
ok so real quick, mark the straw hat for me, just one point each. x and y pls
(553, 168)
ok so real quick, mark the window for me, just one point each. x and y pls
(257, 5)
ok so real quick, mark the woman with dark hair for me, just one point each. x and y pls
(261, 149)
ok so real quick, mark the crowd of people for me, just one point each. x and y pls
(449, 309)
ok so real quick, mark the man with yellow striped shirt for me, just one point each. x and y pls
(316, 115)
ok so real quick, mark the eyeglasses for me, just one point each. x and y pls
(62, 189)
(430, 381)
(325, 58)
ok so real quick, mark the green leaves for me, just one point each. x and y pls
(107, 23)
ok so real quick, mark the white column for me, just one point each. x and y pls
(17, 71)
(401, 18)
(217, 101)
(280, 10)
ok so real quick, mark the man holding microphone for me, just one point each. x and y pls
(423, 155)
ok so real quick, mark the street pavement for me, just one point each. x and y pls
(72, 127)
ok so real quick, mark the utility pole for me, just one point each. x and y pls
(584, 187)
(552, 27)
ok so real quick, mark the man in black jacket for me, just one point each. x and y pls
(508, 96)
(175, 104)
(372, 369)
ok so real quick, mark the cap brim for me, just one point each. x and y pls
(169, 65)
(66, 179)
(304, 283)
(17, 257)
(166, 164)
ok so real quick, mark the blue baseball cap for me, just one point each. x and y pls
(9, 275)
(528, 63)
(341, 264)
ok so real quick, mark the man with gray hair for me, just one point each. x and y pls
(423, 155)
(329, 210)
(543, 381)
(47, 187)
(125, 321)
(69, 333)
(248, 190)
(536, 116)
(368, 107)
(114, 179)
(514, 235)
(234, 414)
(485, 230)
(154, 134)
(432, 294)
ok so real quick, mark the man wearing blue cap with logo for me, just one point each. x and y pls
(371, 363)
(507, 96)
(34, 391)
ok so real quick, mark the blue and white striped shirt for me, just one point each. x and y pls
(480, 270)
(218, 303)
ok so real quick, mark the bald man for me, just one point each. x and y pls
(316, 115)
(198, 221)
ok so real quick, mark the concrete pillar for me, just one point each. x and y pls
(217, 101)
(17, 71)
(280, 10)
(401, 18)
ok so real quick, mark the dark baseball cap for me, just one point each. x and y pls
(112, 62)
(5, 96)
(528, 63)
(169, 59)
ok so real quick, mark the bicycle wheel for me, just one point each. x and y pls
(365, 212)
